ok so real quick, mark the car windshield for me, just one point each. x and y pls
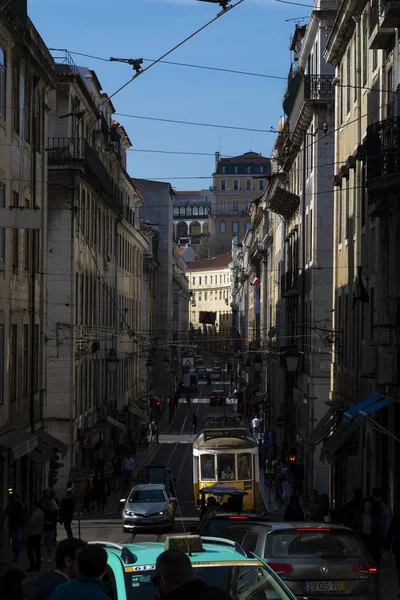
(145, 496)
(242, 582)
(292, 543)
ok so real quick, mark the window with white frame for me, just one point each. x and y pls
(236, 170)
(176, 210)
(222, 205)
(248, 184)
(2, 83)
(235, 227)
(201, 210)
(236, 184)
(235, 206)
(261, 184)
(182, 210)
(222, 227)
(223, 185)
(195, 211)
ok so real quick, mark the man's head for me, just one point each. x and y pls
(92, 561)
(173, 569)
(66, 558)
(377, 493)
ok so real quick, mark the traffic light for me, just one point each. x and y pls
(158, 404)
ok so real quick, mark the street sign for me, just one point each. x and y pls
(270, 437)
(78, 474)
(188, 361)
(280, 422)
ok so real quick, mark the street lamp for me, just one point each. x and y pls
(258, 363)
(247, 366)
(112, 361)
(150, 366)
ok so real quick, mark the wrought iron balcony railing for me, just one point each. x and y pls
(383, 148)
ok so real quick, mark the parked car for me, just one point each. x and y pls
(214, 523)
(157, 474)
(317, 560)
(149, 506)
(201, 372)
(217, 398)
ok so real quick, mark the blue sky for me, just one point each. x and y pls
(252, 37)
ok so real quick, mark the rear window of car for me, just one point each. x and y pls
(214, 527)
(292, 543)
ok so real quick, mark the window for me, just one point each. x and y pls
(28, 109)
(194, 280)
(355, 82)
(248, 204)
(340, 215)
(15, 244)
(220, 278)
(13, 362)
(248, 184)
(205, 296)
(189, 211)
(2, 229)
(26, 371)
(348, 79)
(236, 184)
(2, 85)
(195, 211)
(235, 206)
(223, 169)
(236, 170)
(207, 466)
(199, 296)
(1, 364)
(220, 294)
(248, 227)
(374, 59)
(211, 279)
(205, 280)
(15, 97)
(223, 185)
(235, 227)
(222, 227)
(261, 184)
(311, 236)
(182, 210)
(341, 107)
(222, 205)
(292, 543)
(249, 170)
(347, 211)
(27, 243)
(226, 467)
(261, 169)
(364, 48)
(201, 210)
(199, 280)
(176, 210)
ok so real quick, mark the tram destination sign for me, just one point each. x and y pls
(212, 434)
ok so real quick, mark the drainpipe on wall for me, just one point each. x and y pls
(396, 71)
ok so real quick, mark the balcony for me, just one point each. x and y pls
(383, 156)
(289, 283)
(67, 151)
(384, 17)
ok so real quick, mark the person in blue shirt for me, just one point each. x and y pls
(88, 585)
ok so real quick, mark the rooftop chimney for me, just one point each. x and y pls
(217, 158)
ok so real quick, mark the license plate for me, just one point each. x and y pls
(324, 586)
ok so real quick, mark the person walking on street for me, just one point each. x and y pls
(176, 579)
(383, 510)
(152, 431)
(92, 562)
(35, 530)
(294, 512)
(367, 524)
(194, 423)
(16, 515)
(128, 466)
(66, 558)
(67, 511)
(255, 426)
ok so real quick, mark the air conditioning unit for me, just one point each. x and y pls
(387, 364)
(369, 358)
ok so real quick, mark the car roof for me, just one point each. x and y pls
(275, 525)
(146, 553)
(146, 486)
(155, 467)
(217, 391)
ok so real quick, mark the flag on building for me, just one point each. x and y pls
(256, 281)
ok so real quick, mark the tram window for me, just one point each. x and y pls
(244, 466)
(226, 467)
(207, 466)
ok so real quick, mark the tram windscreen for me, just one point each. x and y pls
(244, 466)
(207, 464)
(226, 467)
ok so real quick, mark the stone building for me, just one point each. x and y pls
(191, 211)
(95, 263)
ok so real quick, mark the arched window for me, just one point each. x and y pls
(176, 210)
(182, 210)
(189, 211)
(2, 83)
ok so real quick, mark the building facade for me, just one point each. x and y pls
(95, 264)
(191, 227)
(26, 79)
(237, 182)
(363, 47)
(211, 292)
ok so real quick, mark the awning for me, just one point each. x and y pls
(38, 457)
(18, 441)
(339, 437)
(349, 414)
(45, 449)
(138, 410)
(323, 428)
(118, 424)
(52, 441)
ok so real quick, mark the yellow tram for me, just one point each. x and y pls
(230, 456)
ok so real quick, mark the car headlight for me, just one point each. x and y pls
(164, 512)
(129, 513)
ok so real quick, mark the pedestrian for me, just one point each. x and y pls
(67, 511)
(128, 466)
(367, 524)
(294, 512)
(11, 582)
(175, 579)
(16, 515)
(152, 431)
(35, 531)
(156, 434)
(383, 510)
(87, 585)
(188, 398)
(66, 558)
(47, 536)
(255, 427)
(194, 423)
(348, 512)
(99, 489)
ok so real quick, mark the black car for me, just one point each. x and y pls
(202, 373)
(157, 474)
(213, 523)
